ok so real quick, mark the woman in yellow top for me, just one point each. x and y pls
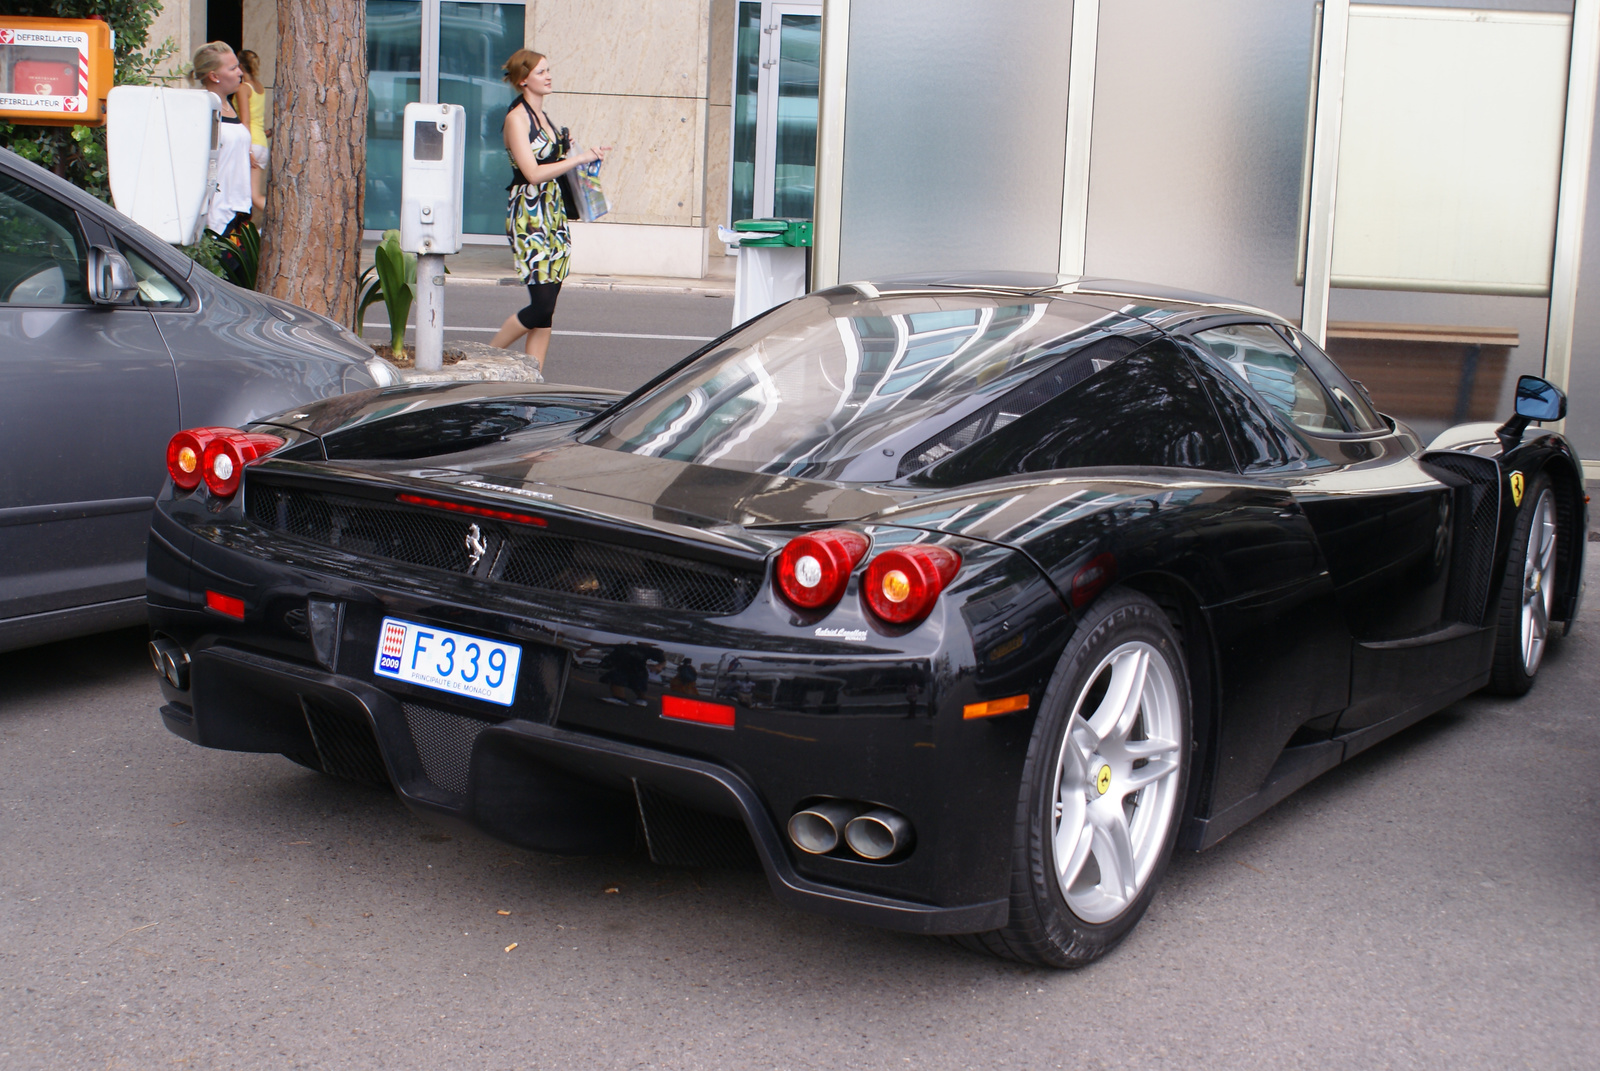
(252, 100)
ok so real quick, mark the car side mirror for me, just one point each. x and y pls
(1537, 399)
(111, 278)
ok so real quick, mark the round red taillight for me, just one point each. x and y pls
(902, 584)
(222, 464)
(813, 569)
(185, 451)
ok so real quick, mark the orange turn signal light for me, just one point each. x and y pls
(995, 706)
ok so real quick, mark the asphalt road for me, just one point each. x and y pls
(602, 338)
(1432, 904)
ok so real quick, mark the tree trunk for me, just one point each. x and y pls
(311, 241)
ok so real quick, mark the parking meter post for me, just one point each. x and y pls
(432, 166)
(430, 312)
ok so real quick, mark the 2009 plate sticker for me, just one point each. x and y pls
(455, 662)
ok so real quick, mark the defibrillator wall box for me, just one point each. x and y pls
(432, 165)
(161, 157)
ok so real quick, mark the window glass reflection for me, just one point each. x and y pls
(474, 40)
(818, 382)
(394, 79)
(1144, 409)
(42, 252)
(1275, 371)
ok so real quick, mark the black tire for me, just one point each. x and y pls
(1070, 921)
(1526, 592)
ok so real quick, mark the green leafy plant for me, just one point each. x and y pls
(391, 279)
(235, 258)
(242, 257)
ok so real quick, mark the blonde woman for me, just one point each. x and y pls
(251, 101)
(216, 68)
(536, 217)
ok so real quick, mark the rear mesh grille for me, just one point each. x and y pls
(1477, 498)
(680, 835)
(616, 574)
(444, 744)
(363, 527)
(542, 561)
(345, 745)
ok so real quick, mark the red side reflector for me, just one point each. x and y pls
(476, 511)
(697, 710)
(995, 706)
(226, 605)
(1093, 578)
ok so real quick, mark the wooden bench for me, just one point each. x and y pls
(1426, 372)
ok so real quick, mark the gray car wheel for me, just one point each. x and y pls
(1103, 787)
(1527, 592)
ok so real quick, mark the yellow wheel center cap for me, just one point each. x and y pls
(1102, 780)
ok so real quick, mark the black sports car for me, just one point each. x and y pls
(959, 605)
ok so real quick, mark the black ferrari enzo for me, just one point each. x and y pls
(957, 605)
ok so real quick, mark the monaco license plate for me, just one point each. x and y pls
(455, 662)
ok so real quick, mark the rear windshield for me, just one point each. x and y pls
(810, 388)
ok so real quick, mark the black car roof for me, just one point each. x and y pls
(1167, 307)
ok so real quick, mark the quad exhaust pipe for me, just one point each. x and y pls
(878, 834)
(873, 833)
(171, 661)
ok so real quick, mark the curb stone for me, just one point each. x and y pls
(479, 362)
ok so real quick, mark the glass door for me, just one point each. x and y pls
(450, 52)
(394, 79)
(776, 68)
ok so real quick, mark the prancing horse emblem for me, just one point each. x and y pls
(475, 547)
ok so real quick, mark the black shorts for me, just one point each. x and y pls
(541, 305)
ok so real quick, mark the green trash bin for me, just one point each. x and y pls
(774, 264)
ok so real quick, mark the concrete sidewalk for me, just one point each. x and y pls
(490, 265)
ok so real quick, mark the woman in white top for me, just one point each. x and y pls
(216, 68)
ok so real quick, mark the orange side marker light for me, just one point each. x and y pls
(995, 706)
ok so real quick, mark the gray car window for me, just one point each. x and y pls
(42, 251)
(154, 287)
(1276, 372)
(1352, 401)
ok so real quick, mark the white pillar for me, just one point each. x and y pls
(1324, 169)
(1583, 81)
(1080, 124)
(827, 207)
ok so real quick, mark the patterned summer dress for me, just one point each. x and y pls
(536, 217)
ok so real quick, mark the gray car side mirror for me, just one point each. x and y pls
(1537, 399)
(111, 278)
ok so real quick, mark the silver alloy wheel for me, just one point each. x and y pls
(1538, 581)
(1117, 780)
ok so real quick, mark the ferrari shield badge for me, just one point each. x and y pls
(1516, 488)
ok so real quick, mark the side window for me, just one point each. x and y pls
(154, 287)
(1352, 402)
(42, 251)
(1257, 441)
(1146, 409)
(1276, 372)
